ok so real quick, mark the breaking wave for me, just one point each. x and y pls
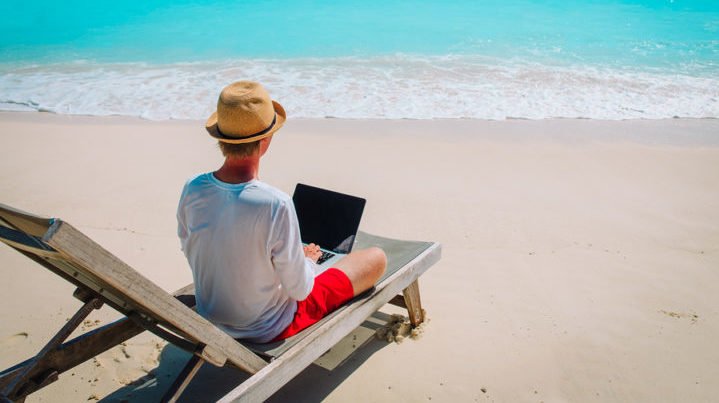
(382, 87)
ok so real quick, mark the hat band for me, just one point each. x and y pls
(258, 134)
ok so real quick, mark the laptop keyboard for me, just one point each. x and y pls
(324, 257)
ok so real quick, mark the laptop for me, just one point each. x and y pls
(328, 219)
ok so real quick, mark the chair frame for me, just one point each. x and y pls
(101, 278)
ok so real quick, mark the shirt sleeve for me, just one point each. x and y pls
(296, 273)
(182, 232)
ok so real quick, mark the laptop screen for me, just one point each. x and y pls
(328, 219)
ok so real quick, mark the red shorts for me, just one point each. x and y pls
(332, 288)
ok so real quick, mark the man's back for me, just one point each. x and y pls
(243, 244)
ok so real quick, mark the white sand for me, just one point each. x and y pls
(580, 257)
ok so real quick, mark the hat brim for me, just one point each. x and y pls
(211, 126)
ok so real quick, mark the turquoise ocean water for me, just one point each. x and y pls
(162, 59)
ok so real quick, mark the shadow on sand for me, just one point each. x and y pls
(211, 383)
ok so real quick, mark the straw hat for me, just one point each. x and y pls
(245, 113)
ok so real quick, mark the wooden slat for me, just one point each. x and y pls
(34, 250)
(280, 371)
(23, 241)
(30, 223)
(97, 262)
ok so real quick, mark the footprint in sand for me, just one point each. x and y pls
(13, 340)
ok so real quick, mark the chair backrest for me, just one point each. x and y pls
(69, 253)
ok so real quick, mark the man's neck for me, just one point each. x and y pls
(239, 170)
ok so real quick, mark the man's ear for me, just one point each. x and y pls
(265, 144)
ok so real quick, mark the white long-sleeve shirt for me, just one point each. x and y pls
(244, 248)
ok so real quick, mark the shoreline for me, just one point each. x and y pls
(392, 86)
(668, 131)
(579, 256)
(508, 119)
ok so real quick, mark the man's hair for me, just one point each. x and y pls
(239, 150)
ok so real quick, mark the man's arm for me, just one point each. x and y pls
(296, 272)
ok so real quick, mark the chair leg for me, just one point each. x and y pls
(183, 379)
(413, 303)
(15, 388)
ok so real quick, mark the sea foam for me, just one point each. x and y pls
(383, 87)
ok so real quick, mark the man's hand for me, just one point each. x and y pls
(313, 252)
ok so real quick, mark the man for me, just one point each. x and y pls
(253, 277)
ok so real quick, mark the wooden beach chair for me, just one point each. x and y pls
(102, 278)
